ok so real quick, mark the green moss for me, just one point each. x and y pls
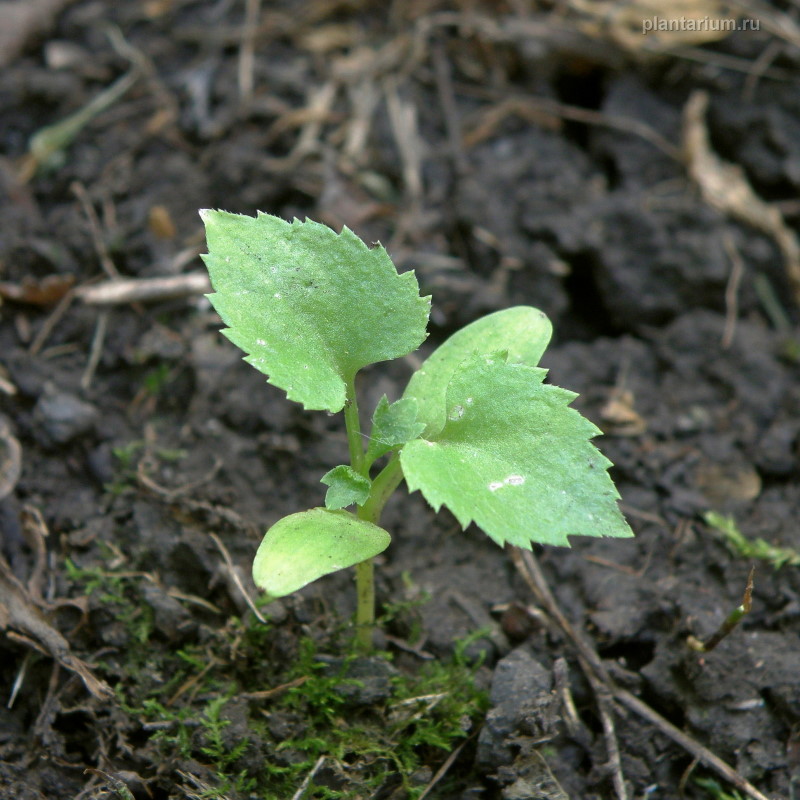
(117, 593)
(426, 716)
(181, 699)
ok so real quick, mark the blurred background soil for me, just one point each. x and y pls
(627, 167)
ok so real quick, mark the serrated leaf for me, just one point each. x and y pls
(523, 332)
(302, 547)
(309, 307)
(346, 487)
(513, 457)
(393, 425)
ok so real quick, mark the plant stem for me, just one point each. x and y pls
(387, 480)
(729, 624)
(353, 426)
(365, 609)
(365, 572)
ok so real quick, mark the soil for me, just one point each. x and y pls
(512, 153)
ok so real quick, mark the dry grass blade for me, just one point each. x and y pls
(733, 63)
(692, 747)
(775, 22)
(548, 113)
(443, 770)
(96, 349)
(732, 291)
(95, 229)
(10, 459)
(196, 788)
(267, 694)
(403, 118)
(310, 119)
(310, 777)
(247, 52)
(56, 315)
(595, 671)
(234, 575)
(559, 37)
(592, 666)
(652, 25)
(24, 622)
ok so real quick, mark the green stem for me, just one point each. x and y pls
(365, 609)
(365, 572)
(387, 480)
(730, 623)
(353, 426)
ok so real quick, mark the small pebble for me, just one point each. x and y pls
(62, 416)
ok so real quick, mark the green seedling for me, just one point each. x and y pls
(47, 147)
(758, 548)
(476, 430)
(730, 622)
(716, 791)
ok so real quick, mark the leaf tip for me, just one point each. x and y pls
(207, 215)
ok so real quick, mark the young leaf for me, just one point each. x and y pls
(346, 487)
(513, 457)
(523, 332)
(308, 306)
(302, 547)
(393, 425)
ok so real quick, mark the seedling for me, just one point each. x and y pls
(758, 548)
(476, 430)
(730, 622)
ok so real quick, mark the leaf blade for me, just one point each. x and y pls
(303, 547)
(309, 307)
(345, 487)
(514, 458)
(524, 332)
(393, 425)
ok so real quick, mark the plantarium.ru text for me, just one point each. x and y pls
(476, 429)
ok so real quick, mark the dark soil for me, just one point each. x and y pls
(506, 152)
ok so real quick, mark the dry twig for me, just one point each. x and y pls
(725, 187)
(268, 694)
(10, 459)
(247, 51)
(310, 777)
(96, 349)
(403, 118)
(444, 85)
(133, 290)
(592, 666)
(595, 671)
(732, 292)
(543, 110)
(234, 573)
(56, 315)
(100, 248)
(443, 770)
(24, 622)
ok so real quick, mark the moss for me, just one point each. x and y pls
(200, 704)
